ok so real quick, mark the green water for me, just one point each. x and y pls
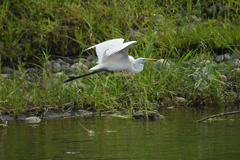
(177, 136)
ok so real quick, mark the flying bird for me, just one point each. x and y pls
(113, 56)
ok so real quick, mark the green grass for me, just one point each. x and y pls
(29, 26)
(42, 27)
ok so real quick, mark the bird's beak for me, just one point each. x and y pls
(148, 59)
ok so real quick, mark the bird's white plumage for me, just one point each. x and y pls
(102, 47)
(113, 56)
(123, 46)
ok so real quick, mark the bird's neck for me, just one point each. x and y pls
(136, 66)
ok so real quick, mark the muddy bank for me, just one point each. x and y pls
(34, 115)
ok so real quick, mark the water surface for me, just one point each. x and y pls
(177, 136)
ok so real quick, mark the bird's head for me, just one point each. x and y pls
(136, 66)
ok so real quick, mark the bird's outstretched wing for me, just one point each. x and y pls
(117, 53)
(123, 48)
(102, 47)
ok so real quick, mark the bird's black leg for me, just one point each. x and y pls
(71, 78)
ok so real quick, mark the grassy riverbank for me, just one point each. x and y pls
(154, 87)
(176, 31)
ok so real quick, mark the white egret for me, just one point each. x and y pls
(113, 56)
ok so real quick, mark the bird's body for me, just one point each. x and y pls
(113, 56)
